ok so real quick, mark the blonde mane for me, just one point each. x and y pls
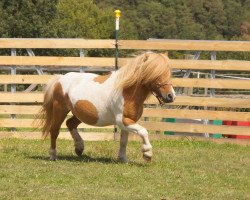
(143, 69)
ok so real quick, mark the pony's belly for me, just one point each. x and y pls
(90, 114)
(103, 121)
(105, 118)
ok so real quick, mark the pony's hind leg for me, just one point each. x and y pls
(72, 124)
(123, 145)
(58, 116)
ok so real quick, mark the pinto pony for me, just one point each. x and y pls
(116, 98)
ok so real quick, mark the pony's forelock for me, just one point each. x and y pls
(143, 69)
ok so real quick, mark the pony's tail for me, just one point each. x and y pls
(45, 115)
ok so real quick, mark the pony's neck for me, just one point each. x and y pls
(137, 94)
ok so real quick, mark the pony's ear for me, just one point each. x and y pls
(146, 56)
(165, 53)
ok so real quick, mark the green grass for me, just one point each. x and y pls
(180, 169)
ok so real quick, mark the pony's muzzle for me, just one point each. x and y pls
(170, 97)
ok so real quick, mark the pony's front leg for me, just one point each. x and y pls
(143, 133)
(123, 145)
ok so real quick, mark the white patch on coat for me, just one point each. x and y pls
(173, 92)
(81, 86)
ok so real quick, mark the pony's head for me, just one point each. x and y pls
(163, 90)
(150, 70)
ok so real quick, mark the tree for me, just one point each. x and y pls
(235, 14)
(154, 20)
(3, 22)
(186, 26)
(26, 18)
(82, 19)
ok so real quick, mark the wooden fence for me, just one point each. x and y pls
(17, 109)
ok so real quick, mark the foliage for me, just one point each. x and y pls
(141, 19)
(81, 19)
(185, 19)
(26, 18)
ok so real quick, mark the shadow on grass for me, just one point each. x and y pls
(87, 159)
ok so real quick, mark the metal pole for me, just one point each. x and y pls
(13, 71)
(189, 71)
(82, 55)
(13, 86)
(212, 90)
(117, 18)
(38, 70)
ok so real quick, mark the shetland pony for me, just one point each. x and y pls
(116, 98)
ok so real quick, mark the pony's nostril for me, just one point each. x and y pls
(170, 96)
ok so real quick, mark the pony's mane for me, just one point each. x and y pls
(143, 69)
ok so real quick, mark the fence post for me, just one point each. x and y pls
(212, 90)
(13, 71)
(82, 55)
(212, 94)
(13, 86)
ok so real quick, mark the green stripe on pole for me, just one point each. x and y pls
(116, 49)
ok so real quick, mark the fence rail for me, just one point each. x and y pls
(204, 45)
(37, 97)
(43, 61)
(24, 105)
(147, 112)
(177, 82)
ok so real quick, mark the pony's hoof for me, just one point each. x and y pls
(52, 158)
(79, 152)
(52, 155)
(123, 160)
(147, 158)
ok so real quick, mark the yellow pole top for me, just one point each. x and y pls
(117, 13)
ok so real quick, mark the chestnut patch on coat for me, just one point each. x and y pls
(68, 102)
(133, 104)
(72, 123)
(59, 99)
(86, 112)
(58, 92)
(56, 113)
(102, 78)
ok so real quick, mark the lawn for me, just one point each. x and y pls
(180, 169)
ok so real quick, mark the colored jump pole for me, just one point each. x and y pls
(117, 24)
